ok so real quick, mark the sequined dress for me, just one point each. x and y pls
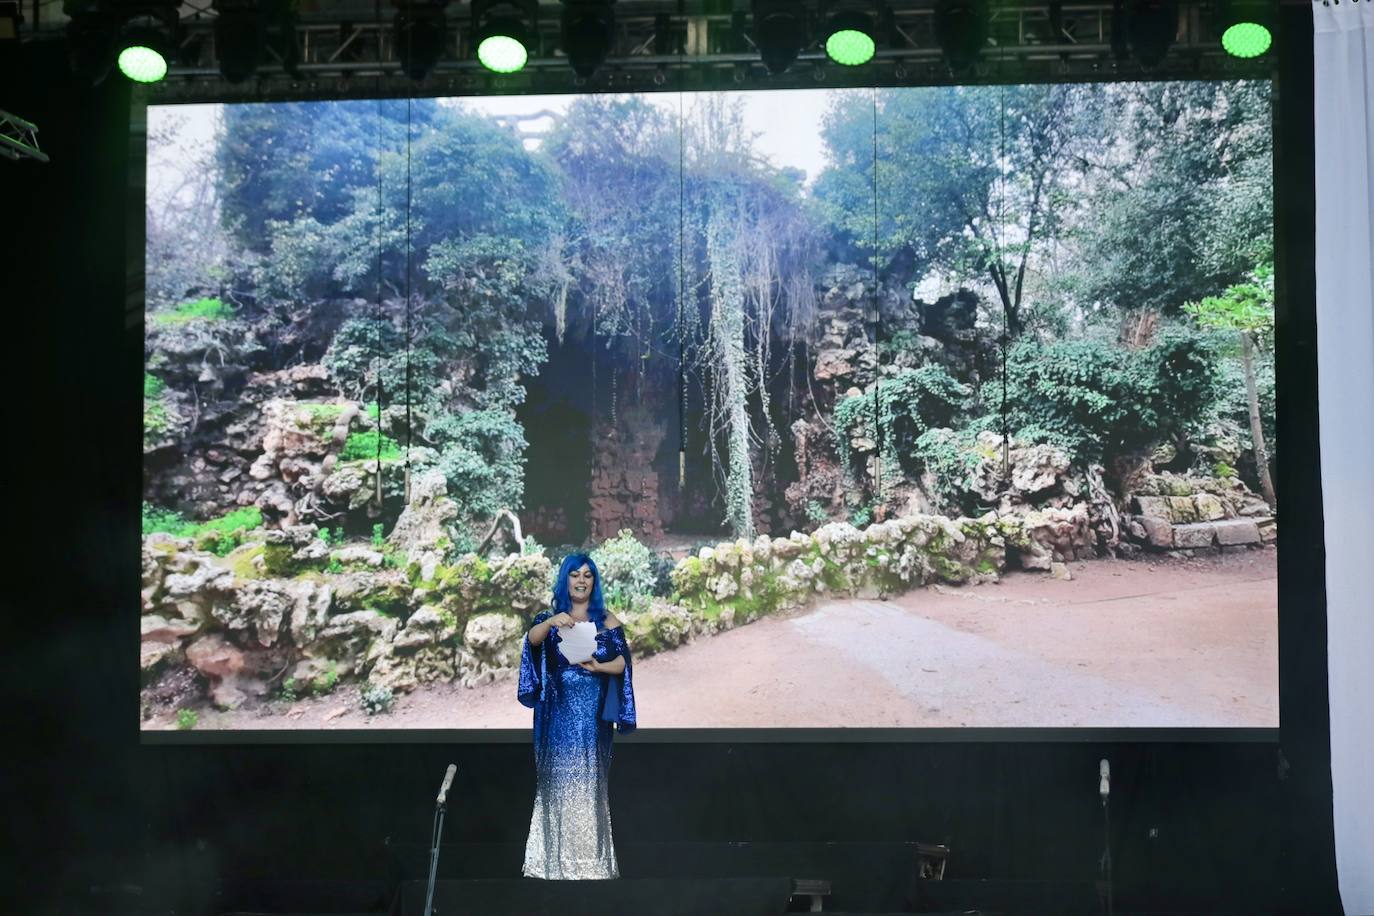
(575, 714)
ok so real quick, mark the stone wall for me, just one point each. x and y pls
(625, 484)
(1186, 513)
(349, 612)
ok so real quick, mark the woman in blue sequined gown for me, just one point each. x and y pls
(577, 707)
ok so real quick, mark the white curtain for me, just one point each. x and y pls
(1344, 53)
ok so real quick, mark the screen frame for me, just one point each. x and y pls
(1287, 350)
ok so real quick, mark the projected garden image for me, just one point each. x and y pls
(924, 407)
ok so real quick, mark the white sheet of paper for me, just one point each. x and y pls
(577, 643)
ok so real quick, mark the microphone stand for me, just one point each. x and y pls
(440, 807)
(1104, 864)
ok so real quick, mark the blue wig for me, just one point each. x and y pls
(562, 601)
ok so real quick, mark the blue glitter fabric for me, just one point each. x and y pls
(575, 711)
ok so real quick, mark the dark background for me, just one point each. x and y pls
(97, 822)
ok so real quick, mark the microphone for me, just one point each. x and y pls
(1104, 774)
(448, 781)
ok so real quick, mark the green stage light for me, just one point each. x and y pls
(142, 64)
(504, 33)
(502, 53)
(849, 39)
(850, 47)
(1246, 39)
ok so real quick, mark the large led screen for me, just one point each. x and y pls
(912, 408)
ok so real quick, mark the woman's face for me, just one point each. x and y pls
(580, 584)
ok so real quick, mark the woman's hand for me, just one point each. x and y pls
(614, 666)
(562, 620)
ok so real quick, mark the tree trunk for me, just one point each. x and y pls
(1247, 350)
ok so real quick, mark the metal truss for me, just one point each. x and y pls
(19, 138)
(349, 51)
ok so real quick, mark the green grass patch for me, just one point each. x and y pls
(364, 446)
(221, 536)
(203, 309)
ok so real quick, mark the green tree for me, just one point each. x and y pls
(1247, 311)
(969, 181)
(619, 161)
(1178, 196)
(284, 161)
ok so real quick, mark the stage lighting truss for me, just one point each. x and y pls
(695, 45)
(19, 138)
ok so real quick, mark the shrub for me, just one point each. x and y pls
(908, 404)
(156, 418)
(950, 457)
(1098, 400)
(187, 719)
(482, 457)
(377, 699)
(628, 569)
(325, 682)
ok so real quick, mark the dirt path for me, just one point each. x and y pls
(1161, 643)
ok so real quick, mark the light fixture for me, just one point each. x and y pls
(90, 47)
(503, 33)
(850, 38)
(419, 31)
(779, 32)
(1151, 27)
(143, 54)
(588, 32)
(239, 37)
(1245, 27)
(961, 29)
(146, 43)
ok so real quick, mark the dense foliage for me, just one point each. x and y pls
(449, 249)
(1098, 400)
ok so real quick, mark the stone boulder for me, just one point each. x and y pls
(491, 648)
(424, 523)
(428, 626)
(220, 662)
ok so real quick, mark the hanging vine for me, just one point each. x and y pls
(731, 368)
